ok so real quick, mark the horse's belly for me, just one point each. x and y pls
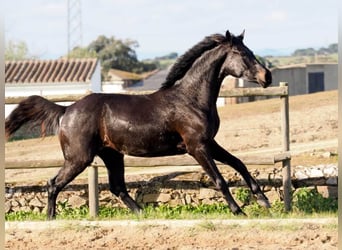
(161, 150)
(150, 145)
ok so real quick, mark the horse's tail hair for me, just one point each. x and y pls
(35, 110)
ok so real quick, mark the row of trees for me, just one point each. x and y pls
(120, 54)
(331, 49)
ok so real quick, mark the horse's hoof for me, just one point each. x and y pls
(50, 217)
(238, 211)
(263, 201)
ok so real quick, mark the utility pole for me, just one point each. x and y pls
(74, 24)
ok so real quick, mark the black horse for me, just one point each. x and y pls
(181, 117)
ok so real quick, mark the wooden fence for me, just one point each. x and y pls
(284, 157)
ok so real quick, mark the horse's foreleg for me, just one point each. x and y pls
(203, 157)
(65, 175)
(220, 154)
(115, 167)
(52, 196)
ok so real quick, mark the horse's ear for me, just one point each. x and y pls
(229, 36)
(242, 35)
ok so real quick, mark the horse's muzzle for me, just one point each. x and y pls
(264, 77)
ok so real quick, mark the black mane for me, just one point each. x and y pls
(184, 63)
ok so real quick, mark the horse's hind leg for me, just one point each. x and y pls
(220, 154)
(115, 167)
(65, 175)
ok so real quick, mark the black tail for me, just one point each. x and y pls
(35, 110)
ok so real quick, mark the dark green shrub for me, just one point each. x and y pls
(311, 201)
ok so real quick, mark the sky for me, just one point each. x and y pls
(272, 27)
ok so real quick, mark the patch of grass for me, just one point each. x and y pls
(207, 225)
(24, 216)
(217, 210)
(65, 211)
(306, 203)
(243, 195)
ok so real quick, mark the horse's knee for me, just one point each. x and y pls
(51, 187)
(198, 151)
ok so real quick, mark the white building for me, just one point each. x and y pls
(307, 78)
(51, 77)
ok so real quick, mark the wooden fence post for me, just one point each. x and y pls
(93, 189)
(285, 128)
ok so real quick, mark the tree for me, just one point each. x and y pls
(172, 55)
(116, 53)
(16, 51)
(323, 51)
(333, 48)
(113, 54)
(81, 52)
(304, 52)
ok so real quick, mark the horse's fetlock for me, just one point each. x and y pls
(116, 191)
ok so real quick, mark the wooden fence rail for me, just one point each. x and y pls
(284, 157)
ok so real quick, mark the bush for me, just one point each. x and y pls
(311, 201)
(243, 195)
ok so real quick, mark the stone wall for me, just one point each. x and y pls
(174, 189)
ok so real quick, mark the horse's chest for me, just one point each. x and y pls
(204, 124)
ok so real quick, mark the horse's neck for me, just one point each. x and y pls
(202, 81)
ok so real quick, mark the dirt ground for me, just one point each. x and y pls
(244, 127)
(231, 234)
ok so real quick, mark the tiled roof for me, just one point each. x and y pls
(44, 71)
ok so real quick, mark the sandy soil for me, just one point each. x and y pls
(231, 234)
(252, 126)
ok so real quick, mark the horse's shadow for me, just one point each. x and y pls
(147, 192)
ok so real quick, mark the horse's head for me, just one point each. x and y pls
(241, 62)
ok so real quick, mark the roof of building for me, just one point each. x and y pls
(116, 74)
(46, 71)
(152, 82)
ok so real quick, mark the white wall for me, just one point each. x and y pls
(46, 89)
(112, 87)
(295, 76)
(96, 79)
